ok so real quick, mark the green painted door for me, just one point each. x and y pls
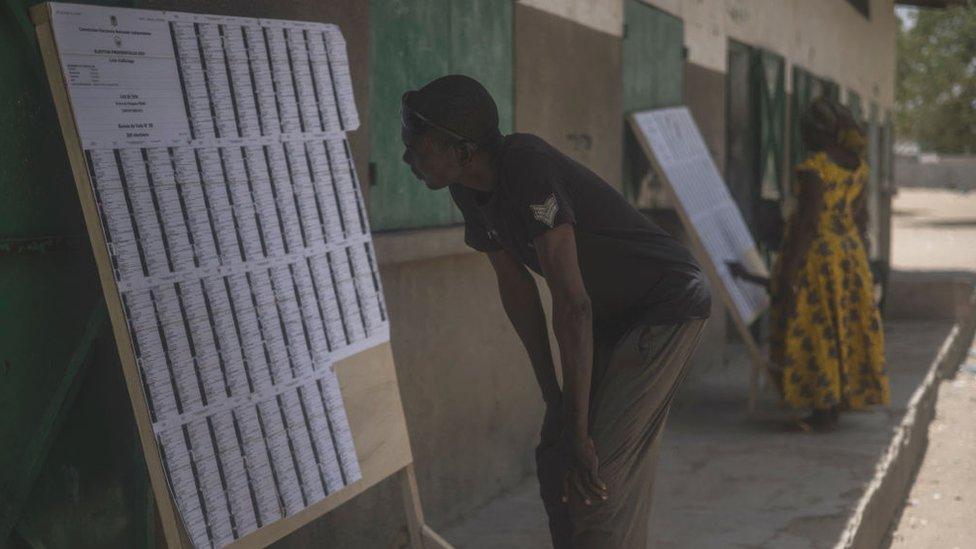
(806, 87)
(413, 42)
(855, 105)
(874, 181)
(71, 469)
(769, 75)
(653, 76)
(755, 128)
(769, 81)
(742, 159)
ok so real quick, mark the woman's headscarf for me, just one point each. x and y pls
(826, 121)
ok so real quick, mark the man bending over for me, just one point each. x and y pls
(629, 303)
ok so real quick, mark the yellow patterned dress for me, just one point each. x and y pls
(830, 351)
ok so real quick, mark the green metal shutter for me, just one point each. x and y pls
(742, 132)
(874, 179)
(854, 104)
(72, 472)
(770, 73)
(413, 42)
(769, 77)
(755, 138)
(806, 88)
(653, 64)
(799, 101)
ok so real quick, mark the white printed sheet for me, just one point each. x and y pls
(218, 158)
(712, 213)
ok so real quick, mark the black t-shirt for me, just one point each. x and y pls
(632, 269)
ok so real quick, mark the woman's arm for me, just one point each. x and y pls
(810, 202)
(861, 216)
(739, 270)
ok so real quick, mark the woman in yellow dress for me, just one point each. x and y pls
(827, 340)
(827, 344)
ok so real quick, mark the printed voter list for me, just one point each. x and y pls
(217, 153)
(685, 161)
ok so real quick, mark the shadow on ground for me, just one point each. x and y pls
(728, 480)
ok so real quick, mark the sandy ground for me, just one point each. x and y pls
(936, 230)
(941, 509)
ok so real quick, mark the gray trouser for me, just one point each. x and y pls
(634, 381)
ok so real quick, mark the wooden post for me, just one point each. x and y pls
(421, 535)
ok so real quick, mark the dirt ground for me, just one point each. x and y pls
(936, 230)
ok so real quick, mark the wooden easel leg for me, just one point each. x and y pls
(421, 535)
(411, 502)
(753, 387)
(758, 372)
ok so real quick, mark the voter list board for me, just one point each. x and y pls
(239, 244)
(711, 212)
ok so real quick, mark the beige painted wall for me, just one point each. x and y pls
(574, 105)
(827, 37)
(603, 15)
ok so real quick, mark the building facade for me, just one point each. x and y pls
(567, 70)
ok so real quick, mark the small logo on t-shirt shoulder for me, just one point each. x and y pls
(545, 212)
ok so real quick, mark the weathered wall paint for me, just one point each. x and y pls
(411, 44)
(827, 37)
(602, 15)
(568, 89)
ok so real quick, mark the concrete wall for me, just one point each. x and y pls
(936, 171)
(827, 37)
(568, 88)
(603, 15)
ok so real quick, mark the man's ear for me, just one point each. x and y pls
(464, 153)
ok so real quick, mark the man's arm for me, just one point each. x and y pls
(520, 299)
(573, 324)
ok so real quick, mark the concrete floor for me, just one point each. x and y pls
(726, 480)
(935, 230)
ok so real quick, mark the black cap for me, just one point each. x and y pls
(459, 104)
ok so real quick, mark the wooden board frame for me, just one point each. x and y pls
(757, 353)
(367, 379)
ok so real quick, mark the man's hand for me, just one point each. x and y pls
(584, 475)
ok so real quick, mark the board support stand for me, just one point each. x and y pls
(421, 535)
(757, 355)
